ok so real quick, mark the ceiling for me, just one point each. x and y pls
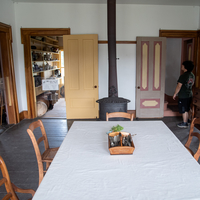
(147, 2)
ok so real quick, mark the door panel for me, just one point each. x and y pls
(81, 76)
(187, 49)
(8, 78)
(150, 78)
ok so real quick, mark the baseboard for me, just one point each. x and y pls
(23, 115)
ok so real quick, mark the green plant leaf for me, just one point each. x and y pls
(117, 128)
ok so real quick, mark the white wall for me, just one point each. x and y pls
(199, 17)
(173, 64)
(7, 16)
(7, 12)
(132, 21)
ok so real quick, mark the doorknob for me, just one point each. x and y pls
(138, 87)
(95, 86)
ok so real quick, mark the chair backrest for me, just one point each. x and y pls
(6, 180)
(119, 114)
(195, 121)
(36, 143)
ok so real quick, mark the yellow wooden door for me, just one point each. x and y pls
(81, 76)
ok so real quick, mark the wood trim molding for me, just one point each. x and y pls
(117, 42)
(6, 29)
(197, 81)
(23, 115)
(26, 33)
(177, 33)
(43, 32)
(8, 72)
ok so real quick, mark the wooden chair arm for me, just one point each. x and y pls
(28, 191)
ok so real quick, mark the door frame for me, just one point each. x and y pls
(8, 72)
(26, 33)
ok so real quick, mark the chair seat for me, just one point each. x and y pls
(49, 154)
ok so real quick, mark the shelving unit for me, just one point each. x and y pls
(45, 61)
(45, 56)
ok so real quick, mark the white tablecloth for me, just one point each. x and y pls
(160, 167)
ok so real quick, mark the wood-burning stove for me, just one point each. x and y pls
(113, 103)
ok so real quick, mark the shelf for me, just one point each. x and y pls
(52, 60)
(40, 86)
(45, 60)
(59, 77)
(49, 70)
(37, 60)
(36, 73)
(43, 51)
(49, 38)
(41, 42)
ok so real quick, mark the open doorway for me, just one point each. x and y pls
(47, 59)
(58, 110)
(26, 34)
(177, 51)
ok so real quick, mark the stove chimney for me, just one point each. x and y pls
(111, 28)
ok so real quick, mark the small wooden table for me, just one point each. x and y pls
(159, 168)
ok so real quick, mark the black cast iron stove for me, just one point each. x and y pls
(113, 103)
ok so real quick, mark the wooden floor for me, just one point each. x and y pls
(58, 111)
(17, 150)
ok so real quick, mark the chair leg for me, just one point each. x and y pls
(47, 165)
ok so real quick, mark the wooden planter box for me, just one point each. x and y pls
(120, 149)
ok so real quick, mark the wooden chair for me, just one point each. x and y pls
(195, 121)
(119, 114)
(10, 187)
(49, 153)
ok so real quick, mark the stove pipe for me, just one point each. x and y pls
(111, 28)
(113, 103)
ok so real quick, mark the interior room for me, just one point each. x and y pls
(61, 63)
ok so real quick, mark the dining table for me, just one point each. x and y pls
(160, 167)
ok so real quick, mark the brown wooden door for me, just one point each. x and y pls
(81, 76)
(150, 77)
(187, 49)
(7, 72)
